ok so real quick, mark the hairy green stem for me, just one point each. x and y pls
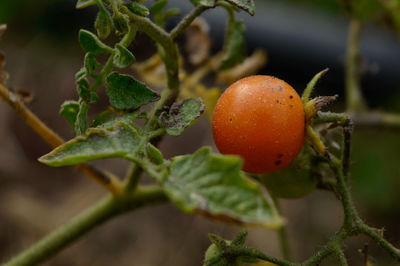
(282, 235)
(185, 22)
(105, 209)
(340, 255)
(354, 99)
(373, 233)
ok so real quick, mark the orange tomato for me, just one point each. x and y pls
(261, 119)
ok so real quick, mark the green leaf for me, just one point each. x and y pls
(125, 92)
(85, 91)
(234, 44)
(181, 115)
(207, 3)
(91, 44)
(91, 63)
(246, 5)
(121, 23)
(138, 9)
(85, 3)
(158, 6)
(172, 12)
(69, 110)
(239, 239)
(122, 58)
(103, 24)
(213, 185)
(154, 154)
(120, 141)
(109, 118)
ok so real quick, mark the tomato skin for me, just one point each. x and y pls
(261, 119)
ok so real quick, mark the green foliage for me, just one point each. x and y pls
(103, 24)
(90, 64)
(85, 92)
(122, 58)
(246, 5)
(213, 185)
(181, 115)
(85, 3)
(121, 23)
(138, 9)
(109, 118)
(224, 252)
(91, 44)
(158, 6)
(234, 44)
(120, 141)
(207, 3)
(69, 110)
(124, 92)
(154, 154)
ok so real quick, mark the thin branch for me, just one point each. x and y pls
(186, 21)
(104, 210)
(340, 255)
(54, 140)
(376, 119)
(372, 233)
(354, 99)
(283, 236)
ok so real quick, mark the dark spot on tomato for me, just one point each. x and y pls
(230, 119)
(278, 162)
(291, 96)
(291, 106)
(277, 101)
(280, 155)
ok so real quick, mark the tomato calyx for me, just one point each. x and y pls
(311, 109)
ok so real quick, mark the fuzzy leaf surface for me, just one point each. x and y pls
(214, 186)
(90, 43)
(181, 115)
(120, 141)
(246, 5)
(125, 92)
(69, 110)
(234, 44)
(122, 58)
(108, 119)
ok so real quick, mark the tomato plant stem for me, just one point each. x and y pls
(54, 140)
(354, 99)
(102, 211)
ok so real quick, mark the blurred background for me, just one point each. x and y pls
(300, 37)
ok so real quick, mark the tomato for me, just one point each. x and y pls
(261, 119)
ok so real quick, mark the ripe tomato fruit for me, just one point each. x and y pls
(261, 119)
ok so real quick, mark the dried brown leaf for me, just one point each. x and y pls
(198, 42)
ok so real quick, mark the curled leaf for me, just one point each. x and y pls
(198, 41)
(69, 110)
(103, 24)
(91, 44)
(122, 58)
(181, 115)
